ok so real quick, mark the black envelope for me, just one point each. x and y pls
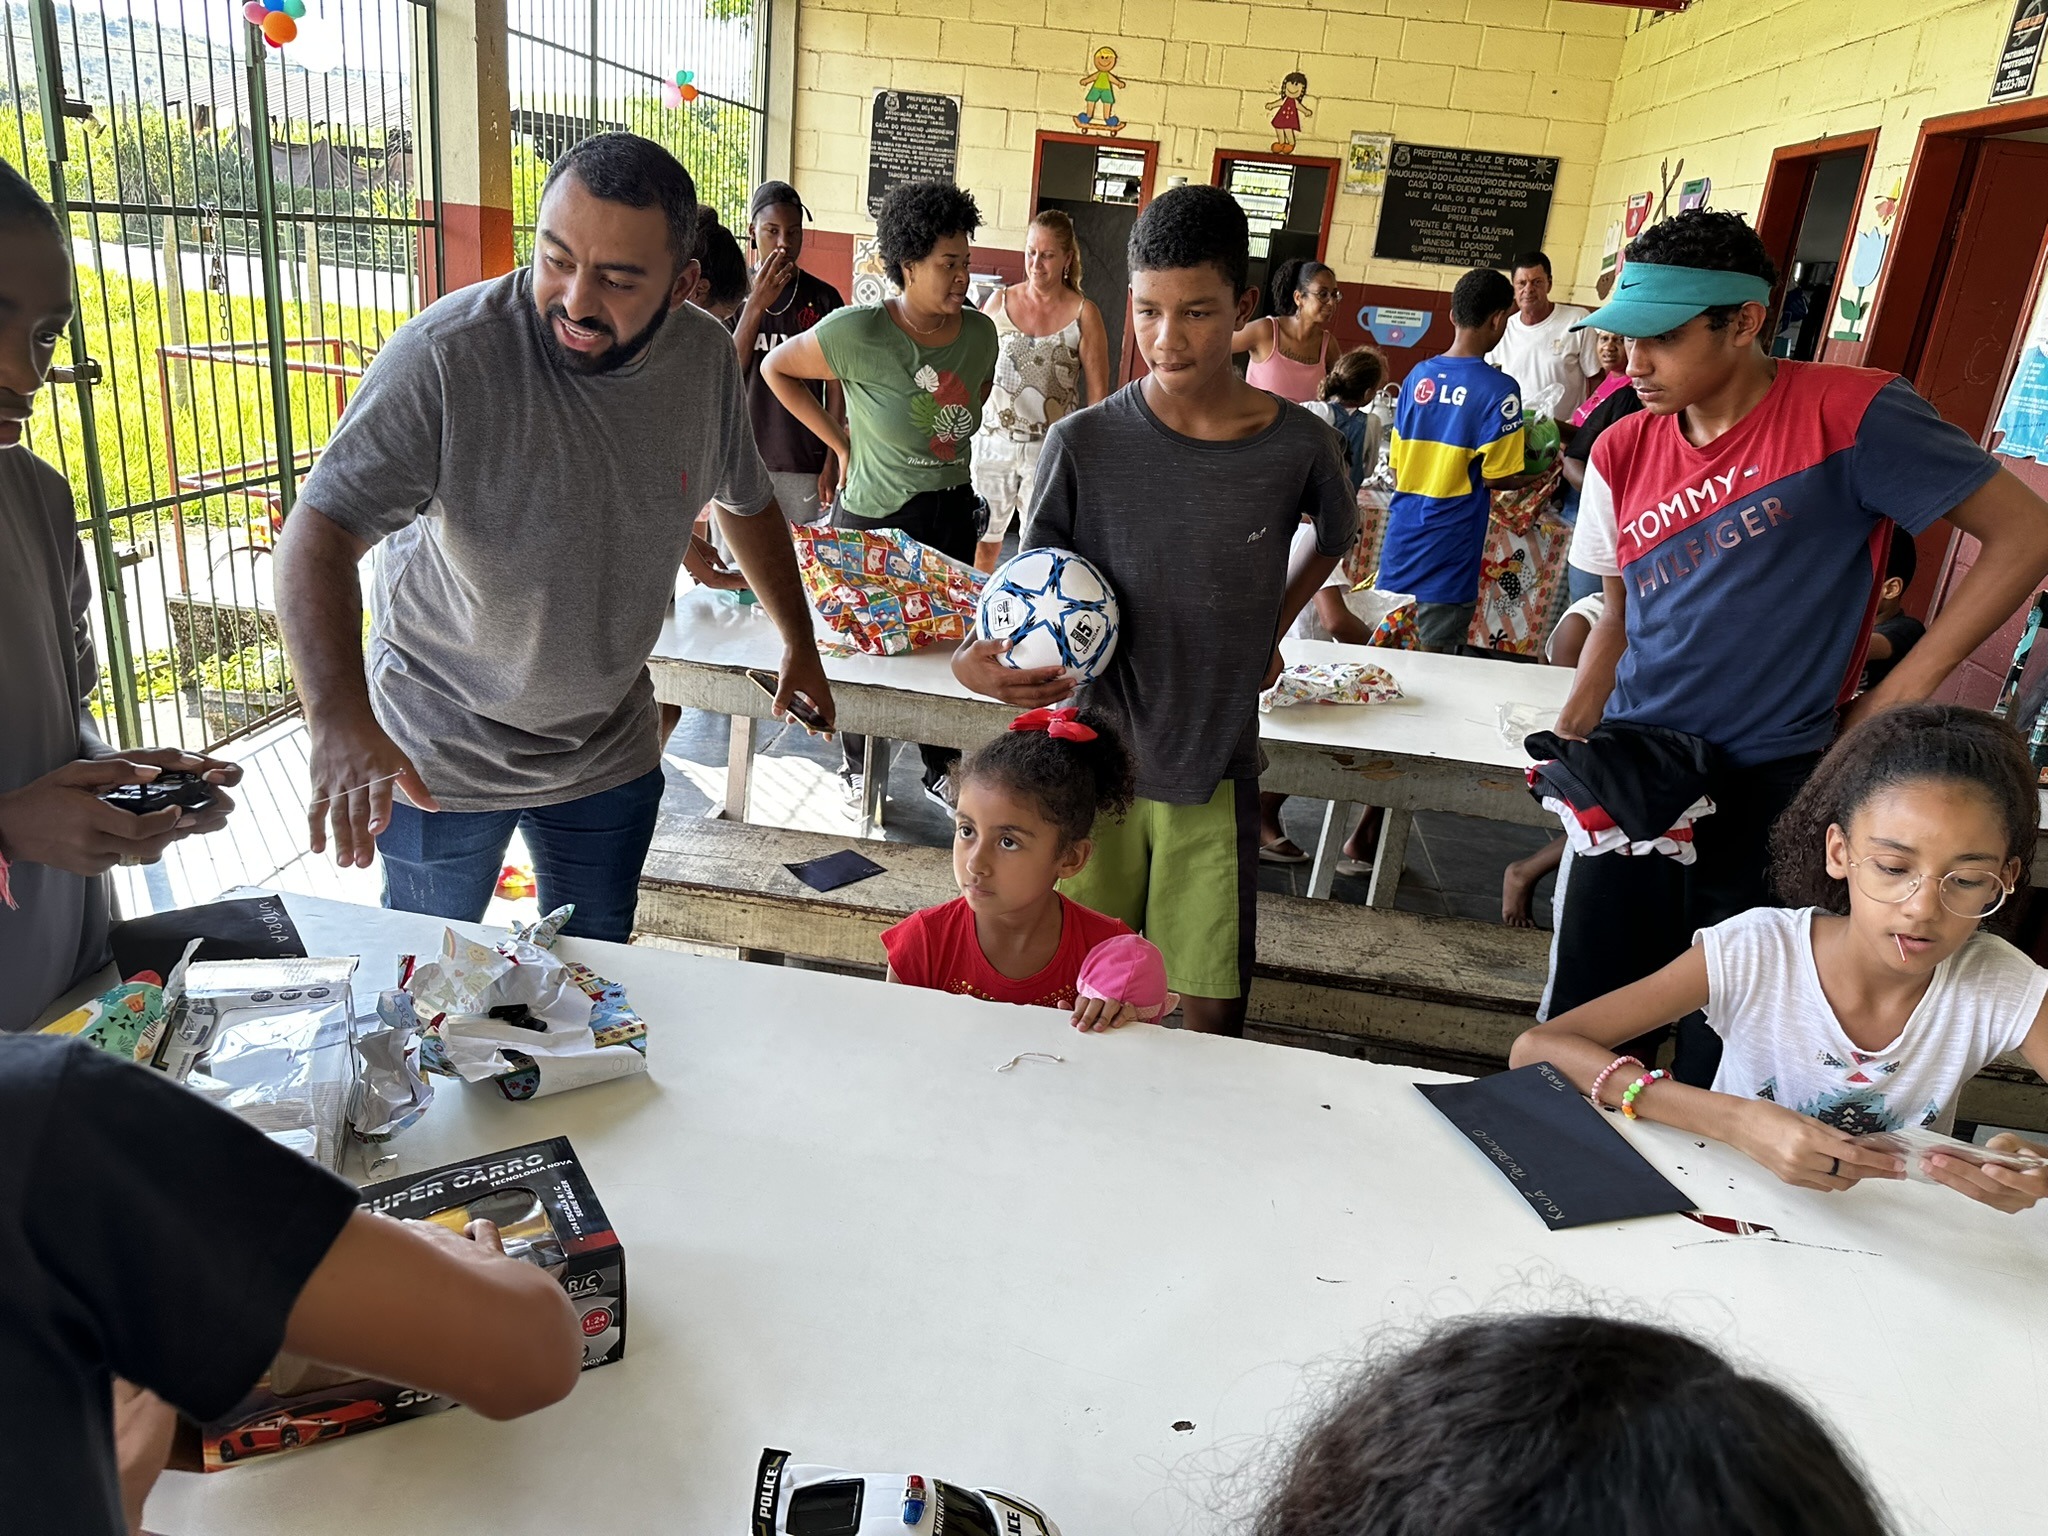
(1556, 1149)
(835, 870)
(252, 928)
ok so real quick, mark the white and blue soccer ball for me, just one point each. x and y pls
(1054, 608)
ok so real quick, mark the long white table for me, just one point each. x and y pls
(848, 1236)
(1439, 748)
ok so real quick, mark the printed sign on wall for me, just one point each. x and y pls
(1463, 207)
(2020, 59)
(913, 136)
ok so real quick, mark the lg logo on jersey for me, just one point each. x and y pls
(1426, 390)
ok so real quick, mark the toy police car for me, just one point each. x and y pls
(799, 1500)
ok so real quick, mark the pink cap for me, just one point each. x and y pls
(1126, 969)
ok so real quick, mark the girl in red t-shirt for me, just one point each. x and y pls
(1023, 809)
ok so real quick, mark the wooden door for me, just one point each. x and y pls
(1987, 287)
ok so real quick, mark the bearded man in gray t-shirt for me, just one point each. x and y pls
(528, 456)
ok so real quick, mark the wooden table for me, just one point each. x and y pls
(849, 1236)
(1439, 749)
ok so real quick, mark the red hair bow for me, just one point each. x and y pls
(1064, 724)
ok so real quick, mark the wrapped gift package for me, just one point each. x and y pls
(883, 591)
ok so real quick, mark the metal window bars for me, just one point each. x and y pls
(579, 67)
(248, 226)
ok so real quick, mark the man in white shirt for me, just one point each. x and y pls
(1540, 352)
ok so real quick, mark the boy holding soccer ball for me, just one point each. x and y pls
(1185, 489)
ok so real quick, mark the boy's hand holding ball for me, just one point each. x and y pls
(978, 666)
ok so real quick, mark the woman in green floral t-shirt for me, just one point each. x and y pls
(916, 368)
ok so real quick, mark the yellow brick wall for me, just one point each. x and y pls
(1728, 81)
(1528, 76)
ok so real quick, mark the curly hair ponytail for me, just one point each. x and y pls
(1913, 742)
(1071, 782)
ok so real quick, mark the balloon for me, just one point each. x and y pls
(279, 28)
(671, 96)
(271, 42)
(273, 6)
(295, 8)
(254, 12)
(688, 93)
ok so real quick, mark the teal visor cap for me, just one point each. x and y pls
(1650, 299)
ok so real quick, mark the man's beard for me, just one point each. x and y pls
(611, 358)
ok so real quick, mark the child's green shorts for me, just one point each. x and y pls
(1187, 877)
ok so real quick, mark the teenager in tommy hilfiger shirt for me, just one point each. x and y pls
(1740, 524)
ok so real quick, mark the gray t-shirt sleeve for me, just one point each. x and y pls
(743, 484)
(1050, 517)
(383, 464)
(1327, 499)
(82, 646)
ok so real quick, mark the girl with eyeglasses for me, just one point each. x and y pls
(1870, 1002)
(1289, 350)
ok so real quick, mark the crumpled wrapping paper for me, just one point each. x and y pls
(576, 1028)
(1343, 682)
(391, 1090)
(884, 591)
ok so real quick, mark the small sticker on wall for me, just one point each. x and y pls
(1866, 261)
(1365, 164)
(1392, 327)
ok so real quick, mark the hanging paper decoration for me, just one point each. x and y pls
(680, 90)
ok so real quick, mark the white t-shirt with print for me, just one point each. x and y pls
(1782, 1041)
(1550, 358)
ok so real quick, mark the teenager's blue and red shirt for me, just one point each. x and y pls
(1752, 565)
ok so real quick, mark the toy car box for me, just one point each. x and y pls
(547, 1214)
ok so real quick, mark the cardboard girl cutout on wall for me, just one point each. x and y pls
(1292, 105)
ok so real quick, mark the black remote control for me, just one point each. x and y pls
(171, 787)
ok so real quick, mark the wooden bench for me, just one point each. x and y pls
(1434, 992)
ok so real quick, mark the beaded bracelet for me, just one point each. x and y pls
(1634, 1089)
(1608, 1071)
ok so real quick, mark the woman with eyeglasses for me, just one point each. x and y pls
(1867, 1005)
(1290, 348)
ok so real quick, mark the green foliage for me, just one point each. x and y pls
(135, 153)
(714, 139)
(225, 417)
(257, 669)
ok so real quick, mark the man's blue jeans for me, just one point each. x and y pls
(588, 851)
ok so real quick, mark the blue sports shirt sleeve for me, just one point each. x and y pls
(1910, 465)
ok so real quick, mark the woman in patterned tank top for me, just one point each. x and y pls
(1053, 344)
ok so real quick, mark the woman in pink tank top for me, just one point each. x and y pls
(1290, 349)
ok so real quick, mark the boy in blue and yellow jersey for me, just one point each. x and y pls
(1457, 436)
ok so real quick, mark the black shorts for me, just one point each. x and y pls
(1625, 918)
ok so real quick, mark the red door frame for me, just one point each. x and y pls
(1944, 159)
(1788, 188)
(1127, 362)
(1262, 157)
(1937, 186)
